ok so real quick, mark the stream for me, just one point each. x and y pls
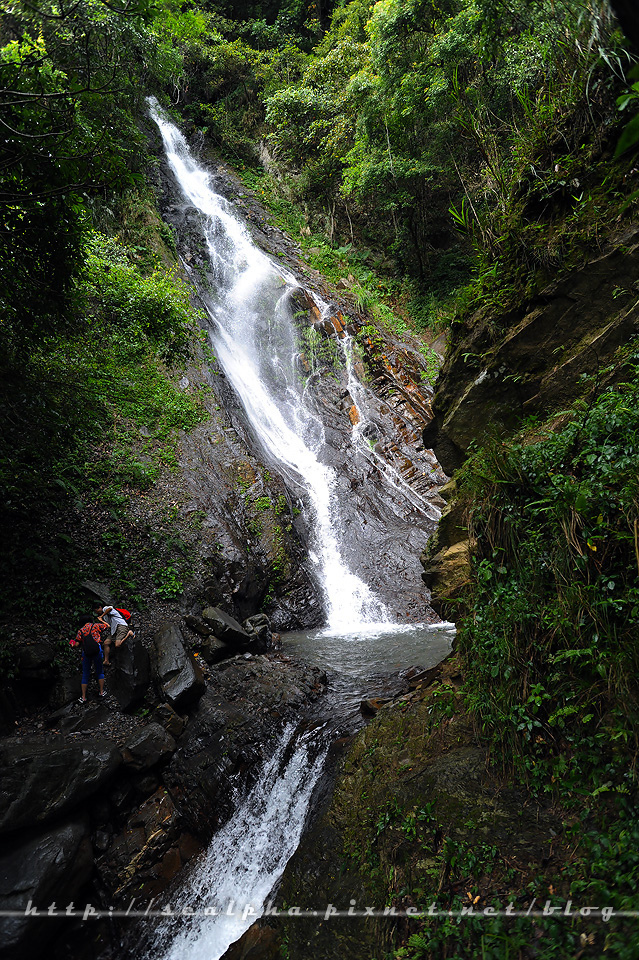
(255, 339)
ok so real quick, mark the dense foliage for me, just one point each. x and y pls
(92, 419)
(551, 646)
(453, 141)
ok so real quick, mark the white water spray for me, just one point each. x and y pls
(255, 341)
(246, 858)
(390, 474)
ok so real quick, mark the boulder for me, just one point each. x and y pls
(260, 942)
(234, 726)
(65, 689)
(225, 628)
(258, 628)
(99, 590)
(44, 777)
(35, 661)
(147, 853)
(148, 747)
(165, 715)
(177, 672)
(129, 676)
(70, 720)
(214, 650)
(197, 626)
(44, 868)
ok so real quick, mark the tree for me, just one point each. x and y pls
(68, 86)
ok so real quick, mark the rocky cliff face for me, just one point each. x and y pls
(538, 359)
(102, 807)
(562, 346)
(102, 803)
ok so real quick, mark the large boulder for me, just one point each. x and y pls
(214, 650)
(169, 719)
(225, 628)
(35, 662)
(148, 747)
(258, 628)
(45, 868)
(130, 674)
(232, 730)
(147, 853)
(44, 777)
(178, 674)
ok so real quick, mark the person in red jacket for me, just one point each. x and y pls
(88, 637)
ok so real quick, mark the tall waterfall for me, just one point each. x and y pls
(255, 341)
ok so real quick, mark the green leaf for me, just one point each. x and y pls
(629, 137)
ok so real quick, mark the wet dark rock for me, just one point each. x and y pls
(133, 862)
(372, 510)
(214, 650)
(122, 796)
(35, 661)
(99, 590)
(370, 706)
(66, 689)
(8, 710)
(74, 721)
(249, 593)
(45, 868)
(212, 590)
(225, 628)
(260, 942)
(166, 716)
(198, 626)
(259, 630)
(44, 777)
(144, 784)
(178, 674)
(130, 673)
(102, 840)
(148, 747)
(232, 730)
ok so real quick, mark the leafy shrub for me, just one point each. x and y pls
(551, 647)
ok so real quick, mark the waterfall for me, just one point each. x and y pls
(229, 887)
(390, 474)
(255, 341)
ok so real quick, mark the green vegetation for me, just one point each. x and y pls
(551, 651)
(548, 653)
(95, 415)
(386, 137)
(445, 160)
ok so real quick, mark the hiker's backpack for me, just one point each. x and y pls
(89, 643)
(125, 613)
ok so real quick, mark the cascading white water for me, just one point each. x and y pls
(391, 475)
(248, 856)
(255, 341)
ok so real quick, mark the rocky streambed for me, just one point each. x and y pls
(100, 806)
(104, 808)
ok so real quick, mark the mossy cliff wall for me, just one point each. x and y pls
(534, 361)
